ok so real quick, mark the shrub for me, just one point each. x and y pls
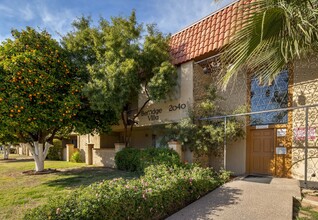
(161, 191)
(128, 159)
(132, 159)
(55, 152)
(76, 157)
(12, 150)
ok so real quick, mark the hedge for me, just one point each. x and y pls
(132, 159)
(161, 191)
(55, 152)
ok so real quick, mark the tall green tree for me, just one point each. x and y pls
(40, 90)
(123, 61)
(274, 33)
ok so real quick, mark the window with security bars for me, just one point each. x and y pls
(269, 97)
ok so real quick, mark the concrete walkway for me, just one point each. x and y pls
(245, 198)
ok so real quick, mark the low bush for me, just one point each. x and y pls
(132, 159)
(55, 152)
(12, 150)
(76, 157)
(161, 191)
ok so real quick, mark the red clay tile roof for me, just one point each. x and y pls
(207, 35)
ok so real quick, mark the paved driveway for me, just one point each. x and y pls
(245, 198)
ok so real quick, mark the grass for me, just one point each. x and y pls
(19, 192)
(304, 211)
(308, 212)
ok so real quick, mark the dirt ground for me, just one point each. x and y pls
(307, 206)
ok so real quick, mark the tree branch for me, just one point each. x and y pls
(125, 126)
(147, 92)
(312, 6)
(139, 111)
(135, 116)
(33, 137)
(53, 133)
(46, 149)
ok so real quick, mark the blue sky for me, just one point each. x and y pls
(56, 16)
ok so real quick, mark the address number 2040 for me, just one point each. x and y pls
(177, 107)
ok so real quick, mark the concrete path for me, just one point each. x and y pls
(245, 198)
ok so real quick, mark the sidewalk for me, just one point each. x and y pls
(245, 198)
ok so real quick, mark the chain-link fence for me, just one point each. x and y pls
(289, 149)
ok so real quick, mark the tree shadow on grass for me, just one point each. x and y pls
(87, 175)
(16, 160)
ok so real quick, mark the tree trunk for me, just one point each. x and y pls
(129, 134)
(124, 118)
(6, 152)
(39, 164)
(39, 154)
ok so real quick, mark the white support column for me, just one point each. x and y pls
(176, 146)
(69, 151)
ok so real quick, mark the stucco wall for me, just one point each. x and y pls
(108, 140)
(82, 146)
(174, 107)
(141, 138)
(234, 96)
(305, 93)
(104, 157)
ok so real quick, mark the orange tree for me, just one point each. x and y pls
(40, 91)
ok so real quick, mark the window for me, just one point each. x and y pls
(268, 97)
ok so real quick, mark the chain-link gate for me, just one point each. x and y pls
(288, 105)
(296, 140)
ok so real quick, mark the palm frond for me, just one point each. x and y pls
(272, 34)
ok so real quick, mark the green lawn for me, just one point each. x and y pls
(308, 213)
(18, 191)
(304, 211)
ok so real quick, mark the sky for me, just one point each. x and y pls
(56, 16)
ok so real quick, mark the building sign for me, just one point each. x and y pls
(152, 114)
(177, 107)
(281, 132)
(261, 126)
(300, 134)
(162, 113)
(281, 150)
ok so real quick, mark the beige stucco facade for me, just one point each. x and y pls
(177, 104)
(305, 93)
(147, 133)
(235, 151)
(191, 90)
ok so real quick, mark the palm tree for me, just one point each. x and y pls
(273, 34)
